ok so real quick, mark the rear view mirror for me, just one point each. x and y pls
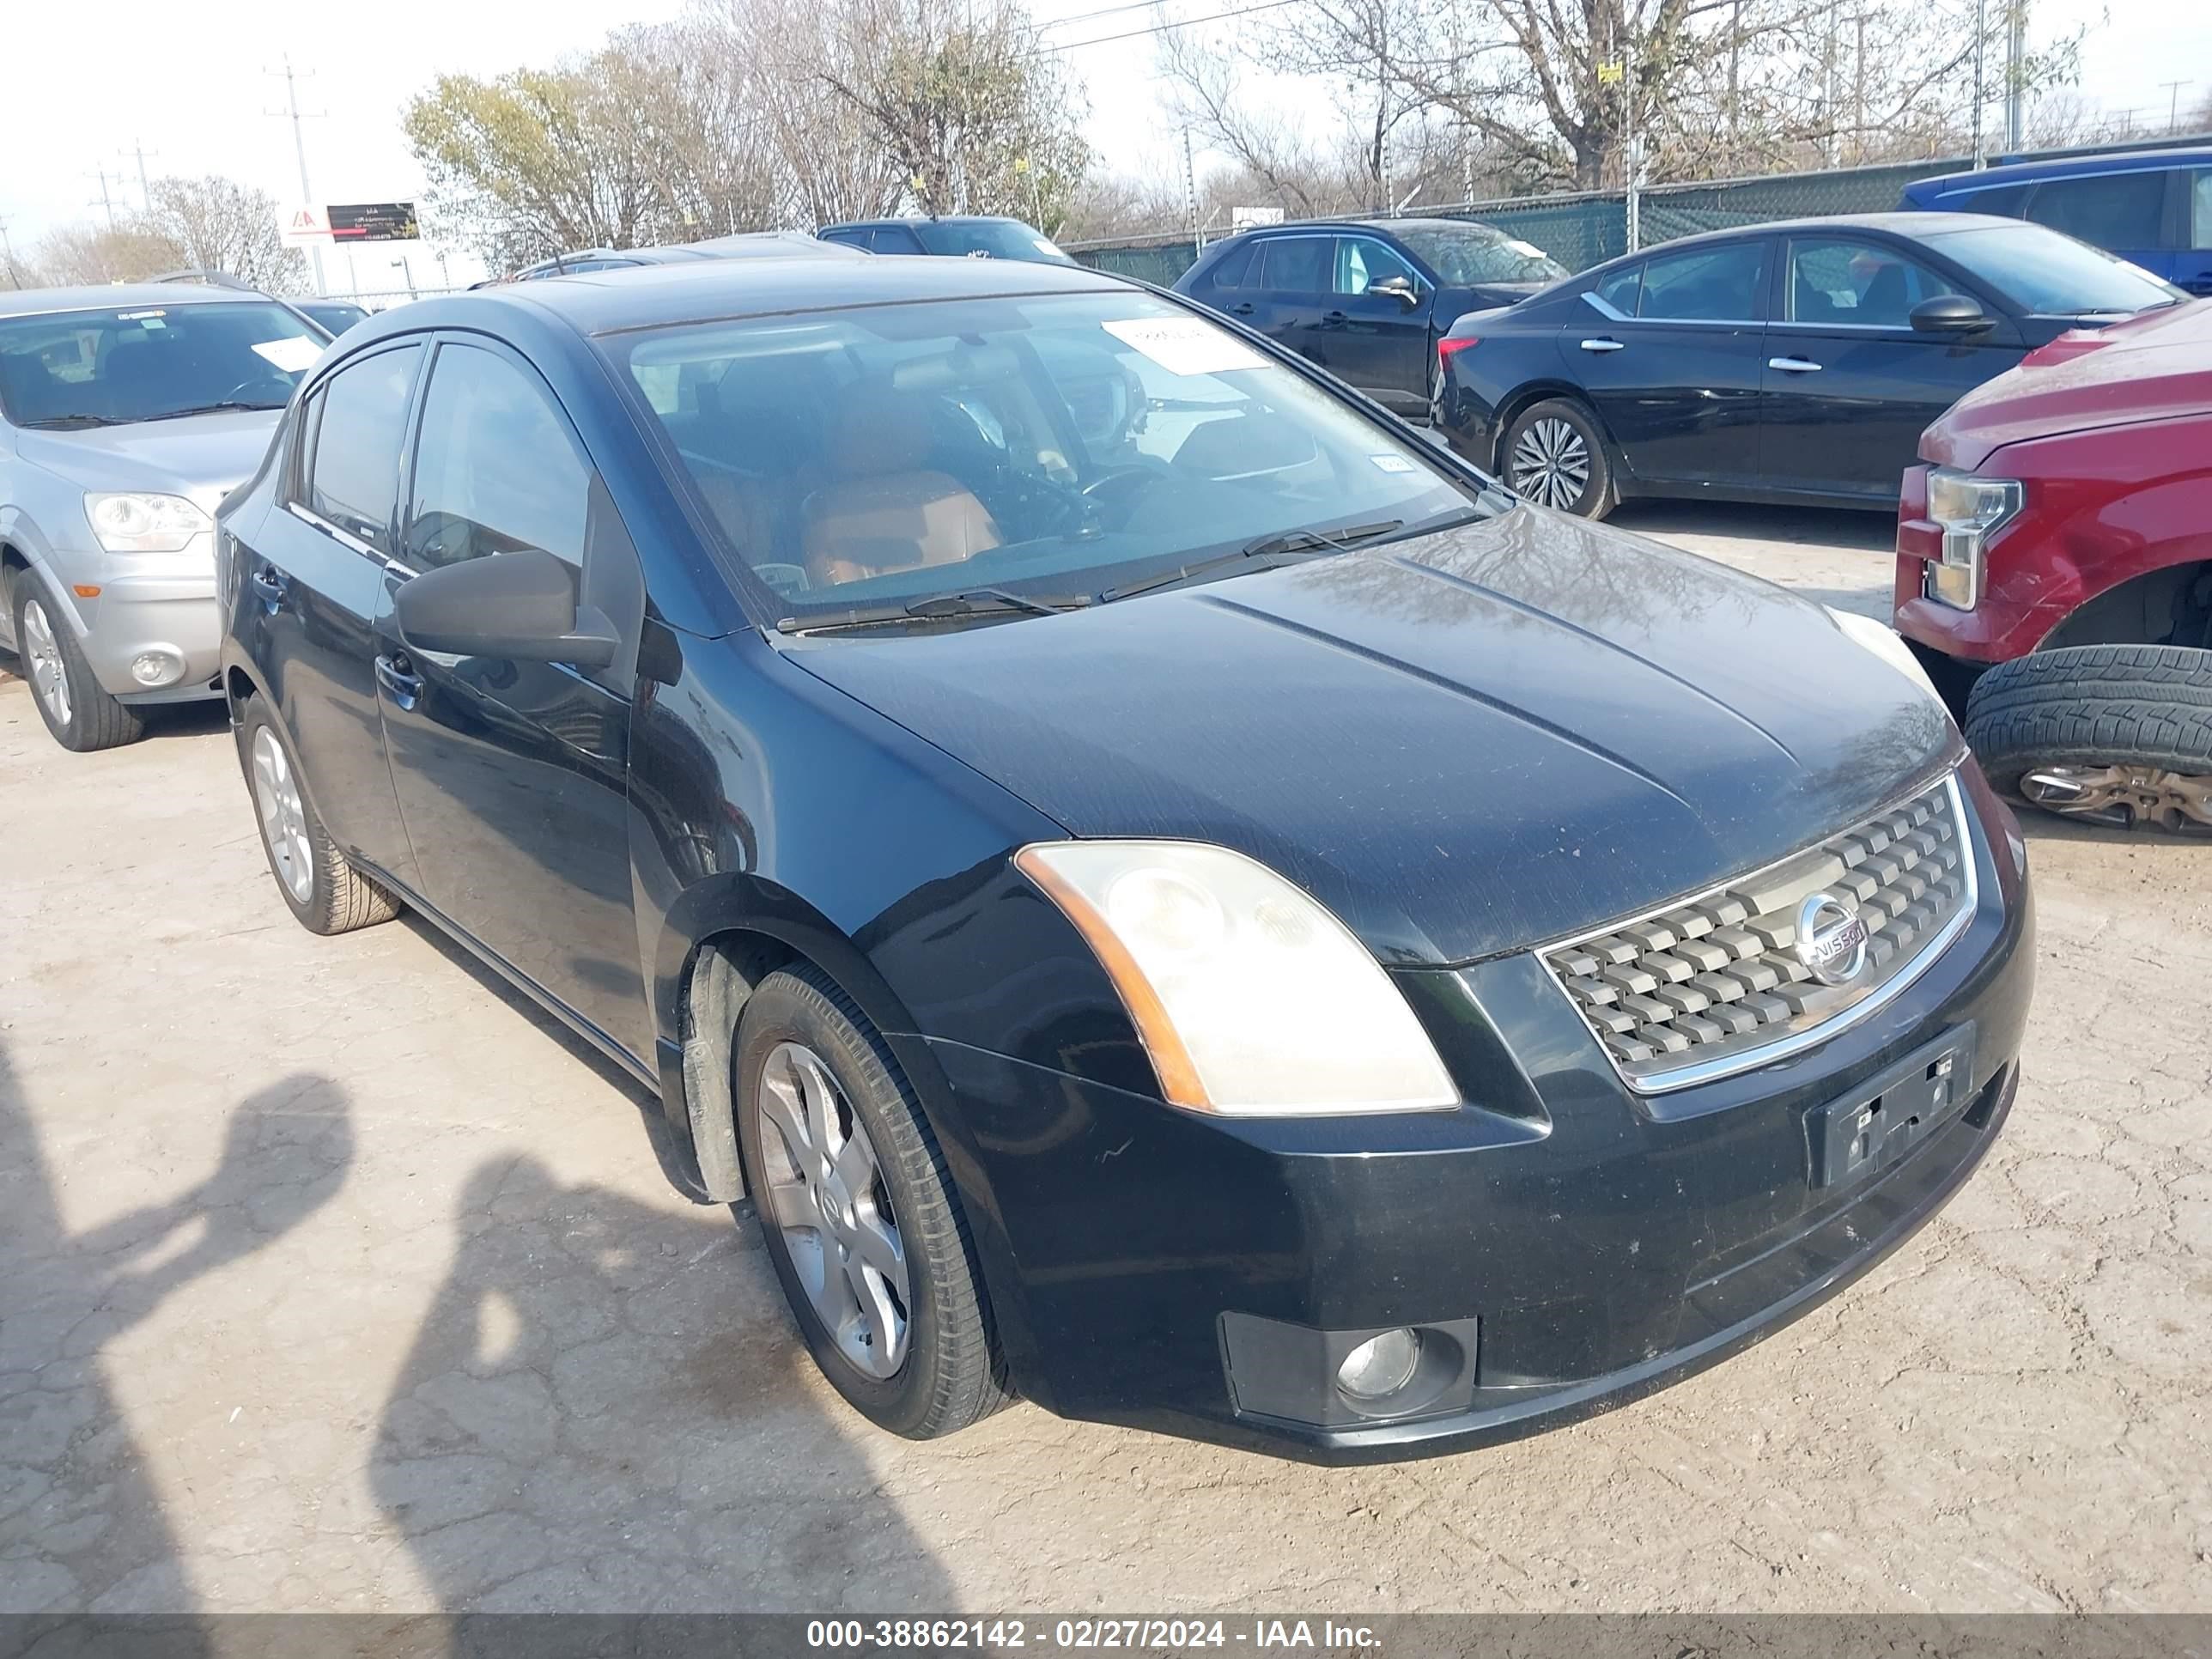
(1950, 314)
(1399, 288)
(519, 606)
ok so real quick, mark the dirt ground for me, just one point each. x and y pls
(331, 1276)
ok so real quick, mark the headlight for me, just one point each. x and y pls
(1969, 511)
(130, 523)
(1252, 1000)
(1883, 641)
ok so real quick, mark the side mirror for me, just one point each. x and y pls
(1950, 314)
(519, 606)
(1399, 288)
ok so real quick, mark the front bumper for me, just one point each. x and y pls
(1602, 1243)
(161, 603)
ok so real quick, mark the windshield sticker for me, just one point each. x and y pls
(1392, 464)
(290, 355)
(137, 316)
(1185, 345)
(1526, 250)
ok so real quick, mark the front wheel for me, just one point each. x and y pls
(859, 1213)
(2112, 734)
(79, 714)
(1554, 456)
(319, 884)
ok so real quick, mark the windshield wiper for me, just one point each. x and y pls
(70, 422)
(970, 602)
(209, 408)
(1267, 547)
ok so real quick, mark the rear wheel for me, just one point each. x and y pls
(859, 1213)
(2112, 734)
(319, 885)
(80, 714)
(1555, 456)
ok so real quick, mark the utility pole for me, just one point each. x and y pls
(1981, 45)
(7, 257)
(145, 191)
(1735, 61)
(1828, 83)
(1858, 91)
(2015, 70)
(1190, 193)
(106, 201)
(299, 148)
(2173, 103)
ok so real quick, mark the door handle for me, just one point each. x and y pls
(405, 687)
(1794, 365)
(1242, 310)
(1333, 319)
(269, 583)
(1605, 345)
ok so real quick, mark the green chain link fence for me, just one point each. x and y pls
(1581, 230)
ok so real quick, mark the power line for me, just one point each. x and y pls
(1165, 28)
(1103, 11)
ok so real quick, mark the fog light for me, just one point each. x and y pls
(1379, 1366)
(157, 668)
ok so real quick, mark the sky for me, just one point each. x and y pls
(195, 96)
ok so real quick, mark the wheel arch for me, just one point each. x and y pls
(1524, 397)
(2170, 604)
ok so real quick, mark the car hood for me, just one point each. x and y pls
(2154, 366)
(201, 457)
(1461, 745)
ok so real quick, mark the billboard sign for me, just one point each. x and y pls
(373, 221)
(303, 227)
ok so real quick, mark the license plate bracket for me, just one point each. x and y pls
(1883, 1119)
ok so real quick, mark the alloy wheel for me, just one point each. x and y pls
(826, 1194)
(49, 674)
(1551, 464)
(284, 817)
(2128, 797)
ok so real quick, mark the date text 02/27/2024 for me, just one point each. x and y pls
(1140, 1634)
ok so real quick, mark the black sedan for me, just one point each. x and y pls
(1193, 908)
(1797, 362)
(1367, 299)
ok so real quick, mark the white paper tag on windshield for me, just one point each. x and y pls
(1392, 464)
(290, 355)
(1185, 345)
(1526, 250)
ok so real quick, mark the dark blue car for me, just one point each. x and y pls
(2152, 206)
(1172, 895)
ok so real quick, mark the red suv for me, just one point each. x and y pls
(2055, 556)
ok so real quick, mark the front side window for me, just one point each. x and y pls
(2200, 210)
(1722, 284)
(2111, 210)
(1362, 261)
(354, 468)
(1463, 256)
(990, 238)
(1838, 280)
(496, 469)
(1297, 264)
(894, 238)
(1052, 444)
(116, 366)
(2052, 275)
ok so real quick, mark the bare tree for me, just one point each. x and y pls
(87, 253)
(222, 225)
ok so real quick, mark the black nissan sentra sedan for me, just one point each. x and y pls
(1173, 897)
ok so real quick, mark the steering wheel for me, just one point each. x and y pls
(237, 393)
(1114, 476)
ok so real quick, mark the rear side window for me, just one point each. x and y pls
(1297, 264)
(1622, 289)
(353, 470)
(496, 469)
(1232, 268)
(2110, 210)
(1717, 284)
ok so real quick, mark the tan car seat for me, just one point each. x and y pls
(878, 510)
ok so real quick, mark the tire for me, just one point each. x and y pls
(948, 1374)
(321, 887)
(2131, 723)
(1565, 463)
(79, 714)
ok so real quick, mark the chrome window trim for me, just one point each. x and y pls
(1605, 308)
(343, 537)
(1795, 1042)
(1612, 313)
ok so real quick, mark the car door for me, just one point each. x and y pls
(1669, 352)
(1291, 289)
(1378, 342)
(1850, 385)
(2123, 213)
(512, 777)
(309, 585)
(2193, 262)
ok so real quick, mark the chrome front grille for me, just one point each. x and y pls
(1715, 985)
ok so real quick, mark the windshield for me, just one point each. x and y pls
(104, 368)
(998, 239)
(1464, 255)
(2041, 270)
(1058, 446)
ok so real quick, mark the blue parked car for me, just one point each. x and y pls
(2153, 206)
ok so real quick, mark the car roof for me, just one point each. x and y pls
(928, 219)
(708, 290)
(2088, 165)
(1907, 226)
(109, 296)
